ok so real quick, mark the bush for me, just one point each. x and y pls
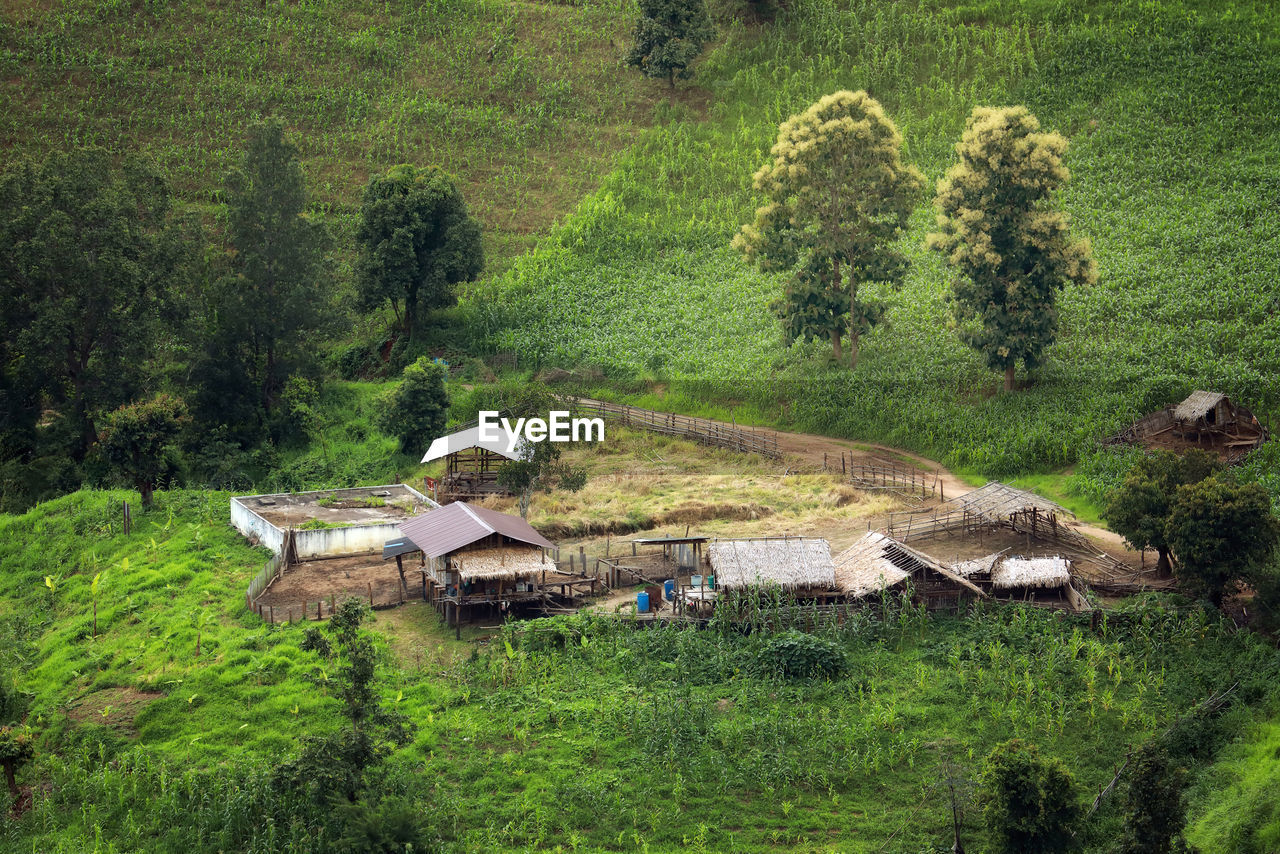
(414, 412)
(1028, 801)
(797, 655)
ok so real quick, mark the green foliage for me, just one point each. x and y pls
(91, 256)
(1028, 801)
(1221, 531)
(1239, 812)
(17, 748)
(1139, 508)
(415, 410)
(136, 437)
(998, 228)
(797, 655)
(541, 469)
(416, 240)
(338, 765)
(1154, 810)
(391, 826)
(839, 199)
(668, 37)
(274, 299)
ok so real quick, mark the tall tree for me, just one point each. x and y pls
(135, 438)
(998, 227)
(1154, 811)
(839, 198)
(1221, 531)
(1028, 801)
(1139, 508)
(669, 36)
(89, 256)
(416, 241)
(274, 299)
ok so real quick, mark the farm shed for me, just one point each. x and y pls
(877, 562)
(794, 564)
(471, 463)
(473, 556)
(1206, 419)
(1045, 581)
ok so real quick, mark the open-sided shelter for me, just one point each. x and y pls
(474, 556)
(878, 562)
(472, 462)
(1205, 419)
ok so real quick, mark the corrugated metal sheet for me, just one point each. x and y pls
(460, 524)
(507, 445)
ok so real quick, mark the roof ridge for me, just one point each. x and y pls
(467, 508)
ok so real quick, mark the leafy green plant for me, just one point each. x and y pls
(794, 654)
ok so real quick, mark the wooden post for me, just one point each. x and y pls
(582, 558)
(128, 519)
(320, 610)
(370, 594)
(271, 610)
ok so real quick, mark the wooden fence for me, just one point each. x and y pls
(701, 430)
(900, 479)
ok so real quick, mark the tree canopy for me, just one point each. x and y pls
(89, 258)
(274, 300)
(1139, 509)
(135, 437)
(1028, 800)
(1221, 531)
(415, 410)
(839, 196)
(999, 229)
(416, 240)
(668, 37)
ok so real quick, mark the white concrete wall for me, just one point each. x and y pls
(254, 527)
(351, 540)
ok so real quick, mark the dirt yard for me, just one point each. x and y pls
(336, 579)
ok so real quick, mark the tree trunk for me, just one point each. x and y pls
(836, 352)
(853, 349)
(1163, 566)
(1008, 377)
(12, 780)
(147, 491)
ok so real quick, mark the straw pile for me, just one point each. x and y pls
(500, 563)
(865, 567)
(1031, 572)
(788, 563)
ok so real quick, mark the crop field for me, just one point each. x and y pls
(1169, 109)
(521, 101)
(580, 734)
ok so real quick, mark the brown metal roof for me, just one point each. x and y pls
(461, 524)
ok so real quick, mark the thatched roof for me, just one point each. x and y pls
(506, 563)
(1031, 572)
(1197, 405)
(788, 563)
(878, 561)
(976, 566)
(996, 502)
(865, 568)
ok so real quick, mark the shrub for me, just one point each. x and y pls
(797, 655)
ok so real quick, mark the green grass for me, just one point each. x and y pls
(1244, 815)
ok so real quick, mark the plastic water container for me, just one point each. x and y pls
(669, 589)
(695, 581)
(711, 581)
(642, 603)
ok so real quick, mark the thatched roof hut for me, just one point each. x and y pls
(979, 567)
(1039, 572)
(1202, 406)
(507, 562)
(865, 567)
(997, 502)
(790, 563)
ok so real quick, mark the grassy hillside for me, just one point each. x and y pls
(578, 735)
(1174, 141)
(523, 101)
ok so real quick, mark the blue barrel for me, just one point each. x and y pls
(669, 588)
(642, 603)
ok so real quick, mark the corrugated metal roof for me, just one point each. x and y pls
(470, 438)
(460, 524)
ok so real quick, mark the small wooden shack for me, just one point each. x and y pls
(472, 463)
(474, 557)
(1206, 419)
(1044, 581)
(877, 562)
